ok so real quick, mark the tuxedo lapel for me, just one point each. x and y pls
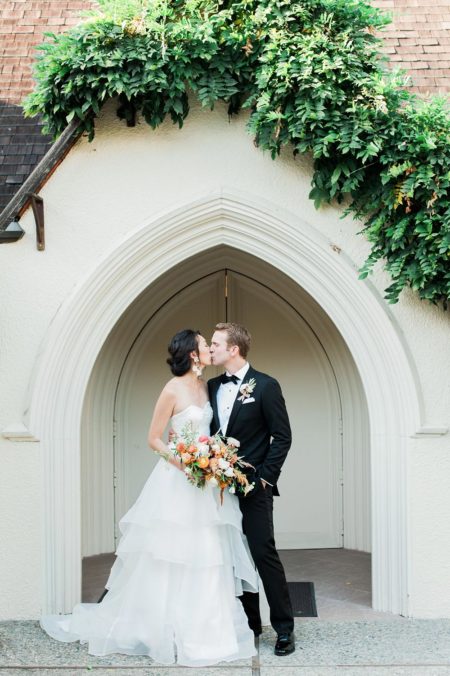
(238, 404)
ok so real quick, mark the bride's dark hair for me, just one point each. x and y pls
(180, 347)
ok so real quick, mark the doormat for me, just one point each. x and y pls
(303, 599)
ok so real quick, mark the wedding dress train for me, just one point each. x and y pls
(180, 564)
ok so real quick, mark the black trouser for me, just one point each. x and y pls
(257, 524)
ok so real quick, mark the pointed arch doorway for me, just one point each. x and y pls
(293, 340)
(292, 246)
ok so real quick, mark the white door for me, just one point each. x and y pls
(309, 512)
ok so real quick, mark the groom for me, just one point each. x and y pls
(249, 406)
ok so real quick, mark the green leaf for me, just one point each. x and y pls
(336, 175)
(312, 78)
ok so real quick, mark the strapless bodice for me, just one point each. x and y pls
(198, 417)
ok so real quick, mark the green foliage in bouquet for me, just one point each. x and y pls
(312, 77)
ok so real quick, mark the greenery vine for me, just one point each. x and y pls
(312, 77)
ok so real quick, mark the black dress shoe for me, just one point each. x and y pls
(285, 644)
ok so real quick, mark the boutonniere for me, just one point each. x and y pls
(246, 389)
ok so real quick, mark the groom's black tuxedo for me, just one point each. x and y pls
(256, 420)
(260, 423)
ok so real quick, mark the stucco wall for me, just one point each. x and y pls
(103, 190)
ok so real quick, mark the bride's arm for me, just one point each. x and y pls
(161, 415)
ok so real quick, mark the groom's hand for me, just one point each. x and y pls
(264, 483)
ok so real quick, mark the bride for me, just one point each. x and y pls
(182, 560)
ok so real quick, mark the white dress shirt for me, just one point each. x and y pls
(226, 396)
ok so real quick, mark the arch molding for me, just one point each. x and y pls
(285, 241)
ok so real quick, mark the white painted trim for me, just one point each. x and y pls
(431, 432)
(97, 494)
(18, 432)
(293, 246)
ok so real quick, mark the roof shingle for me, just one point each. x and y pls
(418, 41)
(22, 27)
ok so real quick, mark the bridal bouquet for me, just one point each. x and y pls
(211, 460)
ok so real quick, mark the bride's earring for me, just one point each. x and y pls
(196, 367)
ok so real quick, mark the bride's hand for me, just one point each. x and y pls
(179, 465)
(169, 457)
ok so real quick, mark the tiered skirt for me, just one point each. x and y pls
(181, 563)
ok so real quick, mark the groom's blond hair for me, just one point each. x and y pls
(236, 335)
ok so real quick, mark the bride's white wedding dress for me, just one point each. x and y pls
(181, 562)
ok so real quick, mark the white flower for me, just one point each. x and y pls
(233, 442)
(223, 464)
(213, 481)
(215, 447)
(246, 389)
(229, 472)
(203, 449)
(188, 470)
(232, 489)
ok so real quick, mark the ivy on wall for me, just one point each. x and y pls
(313, 79)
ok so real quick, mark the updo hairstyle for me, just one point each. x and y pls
(182, 344)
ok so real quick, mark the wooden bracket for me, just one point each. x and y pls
(37, 204)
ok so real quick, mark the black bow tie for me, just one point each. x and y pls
(228, 379)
